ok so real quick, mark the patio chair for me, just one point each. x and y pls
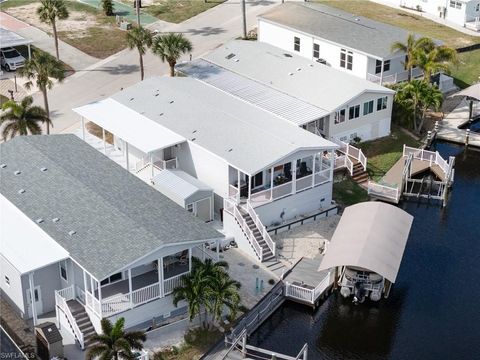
(183, 260)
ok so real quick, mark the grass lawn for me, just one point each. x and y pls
(15, 3)
(3, 99)
(383, 153)
(197, 342)
(347, 192)
(404, 20)
(468, 71)
(176, 11)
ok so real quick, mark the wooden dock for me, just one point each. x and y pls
(305, 284)
(449, 130)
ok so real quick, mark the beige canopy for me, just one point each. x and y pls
(472, 91)
(370, 235)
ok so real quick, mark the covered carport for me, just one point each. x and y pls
(371, 236)
(187, 191)
(11, 39)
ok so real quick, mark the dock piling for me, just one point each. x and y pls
(467, 136)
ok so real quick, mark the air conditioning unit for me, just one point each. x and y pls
(322, 61)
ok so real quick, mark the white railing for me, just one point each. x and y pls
(93, 303)
(351, 151)
(116, 304)
(304, 183)
(173, 282)
(433, 157)
(80, 294)
(232, 209)
(322, 177)
(473, 24)
(299, 292)
(394, 78)
(261, 228)
(385, 191)
(145, 294)
(322, 286)
(233, 193)
(61, 303)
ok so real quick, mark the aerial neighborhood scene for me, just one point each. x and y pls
(239, 179)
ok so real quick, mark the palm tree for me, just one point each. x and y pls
(193, 292)
(223, 292)
(22, 118)
(170, 47)
(107, 6)
(41, 69)
(418, 96)
(437, 59)
(139, 38)
(115, 342)
(410, 48)
(49, 12)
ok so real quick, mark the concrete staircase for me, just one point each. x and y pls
(359, 175)
(83, 321)
(267, 253)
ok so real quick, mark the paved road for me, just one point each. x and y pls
(207, 31)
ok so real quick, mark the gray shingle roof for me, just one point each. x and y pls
(117, 217)
(355, 32)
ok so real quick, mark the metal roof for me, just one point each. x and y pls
(10, 39)
(246, 137)
(285, 106)
(291, 74)
(332, 24)
(147, 136)
(181, 187)
(106, 217)
(370, 235)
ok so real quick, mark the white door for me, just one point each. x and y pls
(38, 301)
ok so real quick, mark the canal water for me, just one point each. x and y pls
(433, 311)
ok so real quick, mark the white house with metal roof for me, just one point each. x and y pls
(318, 98)
(258, 166)
(81, 236)
(464, 13)
(353, 44)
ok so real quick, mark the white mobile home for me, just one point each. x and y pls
(316, 97)
(84, 238)
(269, 169)
(353, 44)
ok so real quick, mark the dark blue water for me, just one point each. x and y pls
(433, 311)
(474, 125)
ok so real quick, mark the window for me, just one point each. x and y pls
(346, 59)
(368, 107)
(378, 66)
(353, 112)
(111, 279)
(316, 51)
(190, 208)
(296, 43)
(382, 103)
(455, 4)
(340, 116)
(7, 280)
(477, 8)
(63, 270)
(258, 180)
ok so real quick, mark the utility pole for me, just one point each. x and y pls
(138, 12)
(244, 19)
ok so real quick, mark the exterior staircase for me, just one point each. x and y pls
(359, 175)
(266, 252)
(83, 321)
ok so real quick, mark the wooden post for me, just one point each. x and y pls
(332, 163)
(126, 156)
(104, 142)
(387, 288)
(305, 353)
(271, 182)
(467, 136)
(313, 170)
(335, 278)
(83, 128)
(100, 297)
(160, 276)
(244, 345)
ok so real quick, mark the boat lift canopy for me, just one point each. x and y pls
(370, 235)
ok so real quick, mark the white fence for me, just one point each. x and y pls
(349, 151)
(308, 295)
(394, 78)
(61, 298)
(173, 282)
(433, 157)
(389, 192)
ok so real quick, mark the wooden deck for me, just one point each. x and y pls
(449, 130)
(394, 176)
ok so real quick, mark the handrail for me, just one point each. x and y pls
(349, 165)
(62, 304)
(302, 353)
(234, 344)
(351, 151)
(301, 221)
(171, 283)
(426, 155)
(261, 228)
(383, 190)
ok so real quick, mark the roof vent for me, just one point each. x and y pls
(194, 131)
(3, 166)
(171, 102)
(131, 99)
(236, 60)
(43, 169)
(161, 114)
(298, 69)
(39, 220)
(230, 150)
(290, 73)
(357, 19)
(193, 139)
(18, 172)
(156, 94)
(21, 191)
(72, 232)
(229, 56)
(287, 55)
(55, 220)
(311, 65)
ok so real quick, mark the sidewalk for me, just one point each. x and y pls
(430, 17)
(70, 55)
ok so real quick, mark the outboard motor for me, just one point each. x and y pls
(359, 293)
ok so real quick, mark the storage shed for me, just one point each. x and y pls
(49, 341)
(186, 191)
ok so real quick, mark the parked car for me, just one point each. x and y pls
(11, 59)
